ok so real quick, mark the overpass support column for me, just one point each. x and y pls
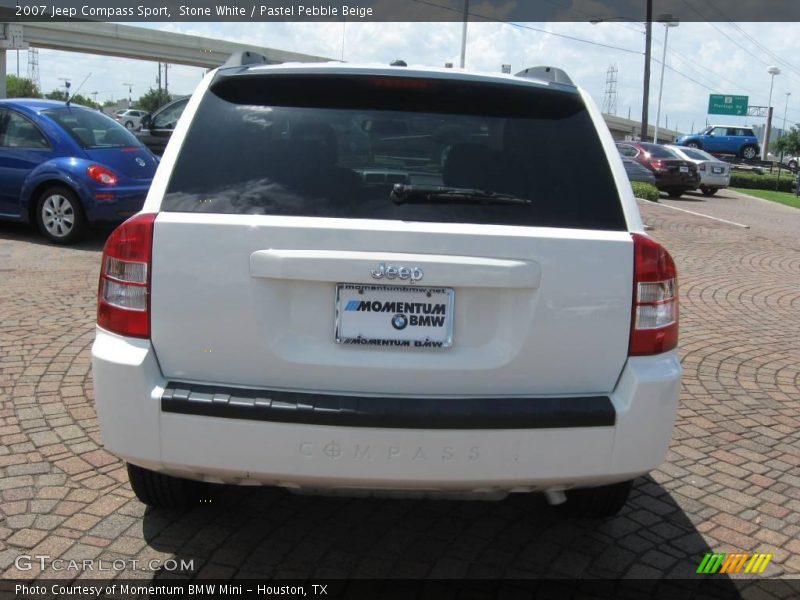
(3, 90)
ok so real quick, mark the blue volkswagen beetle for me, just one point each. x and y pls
(63, 166)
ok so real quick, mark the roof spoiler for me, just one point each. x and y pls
(551, 74)
(243, 59)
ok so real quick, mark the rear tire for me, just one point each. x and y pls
(748, 152)
(59, 215)
(709, 191)
(129, 124)
(693, 145)
(162, 491)
(792, 164)
(675, 193)
(598, 502)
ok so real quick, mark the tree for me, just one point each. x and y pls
(152, 100)
(789, 143)
(20, 87)
(76, 99)
(56, 95)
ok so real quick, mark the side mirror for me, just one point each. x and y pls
(145, 122)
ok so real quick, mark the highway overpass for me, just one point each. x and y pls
(131, 42)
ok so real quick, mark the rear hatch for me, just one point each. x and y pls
(286, 257)
(136, 162)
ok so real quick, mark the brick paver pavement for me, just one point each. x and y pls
(731, 481)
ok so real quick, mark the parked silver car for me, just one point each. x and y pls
(715, 174)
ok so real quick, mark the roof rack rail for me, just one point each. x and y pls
(242, 59)
(546, 73)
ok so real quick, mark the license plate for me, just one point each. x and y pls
(716, 170)
(394, 316)
(684, 169)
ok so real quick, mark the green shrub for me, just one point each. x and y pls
(767, 181)
(647, 191)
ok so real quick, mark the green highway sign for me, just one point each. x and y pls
(720, 104)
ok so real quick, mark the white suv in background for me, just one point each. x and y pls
(361, 279)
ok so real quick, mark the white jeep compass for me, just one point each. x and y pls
(388, 280)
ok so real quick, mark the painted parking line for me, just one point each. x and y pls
(691, 212)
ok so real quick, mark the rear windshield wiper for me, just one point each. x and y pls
(421, 194)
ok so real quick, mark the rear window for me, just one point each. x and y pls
(696, 154)
(91, 129)
(337, 146)
(657, 151)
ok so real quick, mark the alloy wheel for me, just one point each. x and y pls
(58, 215)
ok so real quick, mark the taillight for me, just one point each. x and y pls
(123, 298)
(658, 165)
(702, 167)
(654, 324)
(102, 174)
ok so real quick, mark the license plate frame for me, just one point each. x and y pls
(390, 328)
(683, 169)
(717, 170)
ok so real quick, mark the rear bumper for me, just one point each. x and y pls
(295, 453)
(676, 180)
(115, 204)
(717, 181)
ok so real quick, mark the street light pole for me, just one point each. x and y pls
(648, 38)
(772, 71)
(130, 91)
(668, 22)
(785, 108)
(464, 34)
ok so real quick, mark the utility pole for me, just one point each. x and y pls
(464, 34)
(166, 80)
(648, 38)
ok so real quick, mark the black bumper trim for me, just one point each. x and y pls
(406, 413)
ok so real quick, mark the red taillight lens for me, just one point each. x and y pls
(654, 324)
(102, 175)
(123, 298)
(657, 165)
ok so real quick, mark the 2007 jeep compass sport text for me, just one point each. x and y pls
(384, 279)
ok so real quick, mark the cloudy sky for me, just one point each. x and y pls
(702, 58)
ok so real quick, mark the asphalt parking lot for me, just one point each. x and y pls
(730, 483)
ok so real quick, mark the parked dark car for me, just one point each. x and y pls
(673, 174)
(157, 128)
(638, 172)
(63, 166)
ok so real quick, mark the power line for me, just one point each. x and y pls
(684, 75)
(521, 26)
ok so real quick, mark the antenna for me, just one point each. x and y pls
(610, 99)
